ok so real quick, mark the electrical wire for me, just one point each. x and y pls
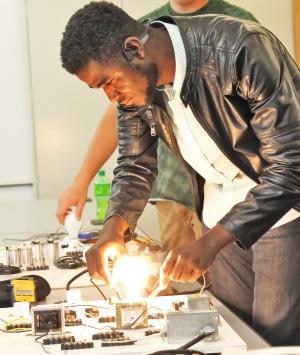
(98, 288)
(9, 270)
(203, 285)
(42, 343)
(75, 278)
(196, 340)
(69, 262)
(40, 336)
(88, 305)
(91, 326)
(142, 314)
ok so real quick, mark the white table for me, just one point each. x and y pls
(15, 343)
(38, 217)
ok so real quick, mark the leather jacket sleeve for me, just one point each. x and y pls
(266, 77)
(136, 169)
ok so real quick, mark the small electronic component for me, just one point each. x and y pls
(92, 312)
(71, 318)
(151, 331)
(18, 325)
(131, 314)
(73, 323)
(8, 270)
(177, 305)
(37, 268)
(23, 290)
(75, 253)
(117, 342)
(47, 318)
(111, 334)
(108, 319)
(58, 339)
(156, 315)
(75, 345)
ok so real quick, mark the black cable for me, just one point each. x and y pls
(42, 343)
(98, 288)
(91, 280)
(177, 352)
(75, 278)
(195, 340)
(184, 348)
(40, 336)
(9, 270)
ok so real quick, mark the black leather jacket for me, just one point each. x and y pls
(244, 89)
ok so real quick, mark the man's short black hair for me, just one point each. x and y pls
(96, 32)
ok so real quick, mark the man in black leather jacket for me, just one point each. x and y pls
(240, 95)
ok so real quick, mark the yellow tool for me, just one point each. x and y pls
(23, 290)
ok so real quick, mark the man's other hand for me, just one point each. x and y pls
(188, 263)
(75, 195)
(111, 241)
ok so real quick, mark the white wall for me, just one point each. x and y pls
(276, 15)
(16, 140)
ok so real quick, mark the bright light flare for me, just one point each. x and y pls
(132, 272)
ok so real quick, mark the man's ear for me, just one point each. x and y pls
(133, 47)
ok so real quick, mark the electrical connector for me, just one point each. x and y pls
(77, 345)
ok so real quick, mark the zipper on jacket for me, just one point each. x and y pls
(151, 122)
(184, 163)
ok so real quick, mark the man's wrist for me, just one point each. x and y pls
(116, 225)
(218, 237)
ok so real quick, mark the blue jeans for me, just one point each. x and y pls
(262, 284)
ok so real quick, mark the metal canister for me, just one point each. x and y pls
(38, 253)
(26, 256)
(51, 251)
(13, 256)
(3, 255)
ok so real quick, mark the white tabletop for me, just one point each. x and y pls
(26, 218)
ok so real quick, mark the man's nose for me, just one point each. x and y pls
(112, 94)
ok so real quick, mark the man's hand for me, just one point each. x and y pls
(111, 239)
(188, 263)
(74, 195)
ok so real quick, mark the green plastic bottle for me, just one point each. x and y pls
(102, 194)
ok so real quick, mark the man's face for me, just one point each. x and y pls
(130, 84)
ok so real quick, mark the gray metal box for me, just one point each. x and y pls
(183, 326)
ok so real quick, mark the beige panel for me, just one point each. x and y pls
(66, 112)
(296, 23)
(276, 15)
(139, 8)
(16, 156)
